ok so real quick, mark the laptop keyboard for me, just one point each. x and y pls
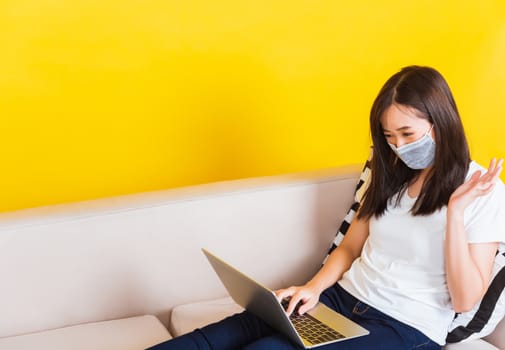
(312, 329)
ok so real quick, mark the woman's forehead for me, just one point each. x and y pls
(398, 116)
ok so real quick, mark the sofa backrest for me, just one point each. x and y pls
(140, 254)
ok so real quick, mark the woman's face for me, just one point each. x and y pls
(401, 125)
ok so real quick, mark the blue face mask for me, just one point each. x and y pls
(419, 154)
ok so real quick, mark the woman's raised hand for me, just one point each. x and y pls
(478, 185)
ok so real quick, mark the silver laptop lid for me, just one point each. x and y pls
(262, 302)
(254, 297)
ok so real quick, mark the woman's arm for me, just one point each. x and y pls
(468, 266)
(341, 258)
(338, 262)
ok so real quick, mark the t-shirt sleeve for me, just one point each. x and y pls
(485, 217)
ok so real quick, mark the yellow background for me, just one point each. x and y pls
(107, 97)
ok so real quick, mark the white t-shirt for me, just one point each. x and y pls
(401, 270)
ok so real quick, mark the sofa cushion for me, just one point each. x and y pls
(476, 344)
(188, 317)
(497, 338)
(132, 333)
(486, 315)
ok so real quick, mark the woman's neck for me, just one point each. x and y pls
(416, 184)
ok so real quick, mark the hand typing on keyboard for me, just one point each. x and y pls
(309, 327)
(285, 305)
(300, 298)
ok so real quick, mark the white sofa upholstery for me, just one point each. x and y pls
(117, 273)
(128, 333)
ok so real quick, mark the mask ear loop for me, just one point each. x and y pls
(429, 131)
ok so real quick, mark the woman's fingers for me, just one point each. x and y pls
(486, 182)
(496, 169)
(492, 164)
(284, 293)
(291, 306)
(478, 185)
(301, 298)
(493, 172)
(291, 293)
(307, 306)
(298, 296)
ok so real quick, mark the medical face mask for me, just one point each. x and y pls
(419, 154)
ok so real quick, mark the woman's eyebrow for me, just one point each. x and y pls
(399, 129)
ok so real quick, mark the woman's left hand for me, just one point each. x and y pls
(478, 185)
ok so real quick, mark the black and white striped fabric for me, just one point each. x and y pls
(474, 324)
(358, 195)
(485, 316)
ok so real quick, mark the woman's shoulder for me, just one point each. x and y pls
(474, 166)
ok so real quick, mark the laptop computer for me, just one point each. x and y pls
(325, 325)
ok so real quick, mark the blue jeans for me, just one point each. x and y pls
(248, 332)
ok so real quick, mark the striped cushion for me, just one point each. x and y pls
(485, 316)
(474, 324)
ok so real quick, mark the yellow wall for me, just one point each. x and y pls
(105, 97)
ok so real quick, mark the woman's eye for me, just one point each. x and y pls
(407, 134)
(387, 136)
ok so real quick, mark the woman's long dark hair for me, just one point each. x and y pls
(426, 91)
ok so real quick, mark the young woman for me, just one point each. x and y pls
(422, 245)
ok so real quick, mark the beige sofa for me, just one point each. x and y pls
(126, 272)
